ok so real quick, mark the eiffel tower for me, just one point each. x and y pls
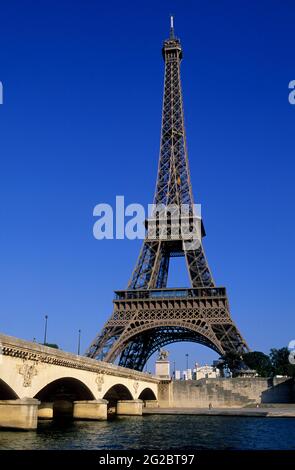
(148, 315)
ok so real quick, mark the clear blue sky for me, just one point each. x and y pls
(80, 124)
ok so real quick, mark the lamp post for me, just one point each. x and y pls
(186, 361)
(174, 370)
(79, 341)
(45, 330)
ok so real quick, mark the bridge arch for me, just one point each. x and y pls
(65, 386)
(114, 394)
(6, 392)
(147, 394)
(62, 393)
(118, 392)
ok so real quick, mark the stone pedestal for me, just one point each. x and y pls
(45, 410)
(163, 369)
(19, 414)
(165, 393)
(90, 409)
(129, 407)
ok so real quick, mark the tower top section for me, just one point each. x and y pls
(172, 48)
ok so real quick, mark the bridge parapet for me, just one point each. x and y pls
(18, 348)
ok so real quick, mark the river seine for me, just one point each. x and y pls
(157, 432)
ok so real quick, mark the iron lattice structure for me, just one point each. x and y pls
(147, 315)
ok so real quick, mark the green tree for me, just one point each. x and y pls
(233, 361)
(258, 361)
(51, 345)
(280, 362)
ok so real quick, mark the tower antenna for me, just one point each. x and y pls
(171, 27)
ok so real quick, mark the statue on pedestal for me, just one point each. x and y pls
(163, 355)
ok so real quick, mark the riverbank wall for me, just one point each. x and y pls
(226, 393)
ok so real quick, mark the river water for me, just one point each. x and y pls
(157, 432)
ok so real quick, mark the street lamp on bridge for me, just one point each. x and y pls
(45, 330)
(79, 341)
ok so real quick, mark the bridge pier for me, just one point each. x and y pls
(151, 404)
(45, 410)
(90, 409)
(129, 407)
(19, 414)
(63, 407)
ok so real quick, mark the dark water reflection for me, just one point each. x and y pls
(157, 432)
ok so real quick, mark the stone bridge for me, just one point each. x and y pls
(41, 382)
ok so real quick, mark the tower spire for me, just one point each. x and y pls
(172, 27)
